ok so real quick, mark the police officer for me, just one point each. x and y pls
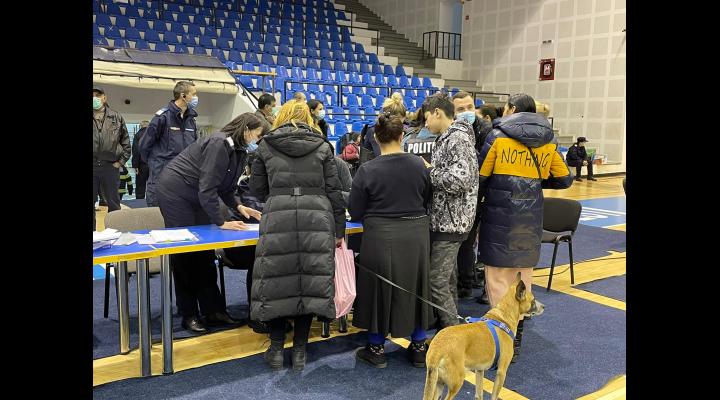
(171, 130)
(111, 149)
(189, 191)
(141, 168)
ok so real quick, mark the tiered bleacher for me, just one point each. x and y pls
(301, 41)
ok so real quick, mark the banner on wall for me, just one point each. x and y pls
(547, 69)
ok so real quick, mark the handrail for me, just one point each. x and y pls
(451, 47)
(349, 84)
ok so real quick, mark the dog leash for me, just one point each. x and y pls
(424, 300)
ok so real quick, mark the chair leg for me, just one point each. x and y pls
(572, 270)
(552, 266)
(107, 290)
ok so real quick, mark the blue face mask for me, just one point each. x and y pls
(321, 114)
(193, 103)
(252, 146)
(468, 116)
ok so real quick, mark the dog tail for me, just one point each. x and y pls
(431, 380)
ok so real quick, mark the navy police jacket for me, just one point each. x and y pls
(166, 137)
(512, 214)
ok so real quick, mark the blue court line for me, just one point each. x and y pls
(603, 212)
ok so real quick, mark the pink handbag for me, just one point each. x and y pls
(344, 280)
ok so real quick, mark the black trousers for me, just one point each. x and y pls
(243, 258)
(578, 170)
(141, 181)
(467, 256)
(301, 329)
(106, 180)
(194, 273)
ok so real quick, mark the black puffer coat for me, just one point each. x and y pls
(294, 269)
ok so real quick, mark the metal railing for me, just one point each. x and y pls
(339, 92)
(447, 45)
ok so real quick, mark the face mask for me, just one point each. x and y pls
(321, 114)
(193, 103)
(252, 146)
(97, 103)
(468, 116)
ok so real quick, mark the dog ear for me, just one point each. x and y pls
(520, 290)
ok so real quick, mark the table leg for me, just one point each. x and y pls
(143, 280)
(123, 307)
(167, 334)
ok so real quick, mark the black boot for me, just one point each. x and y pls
(518, 340)
(274, 355)
(416, 352)
(299, 355)
(373, 354)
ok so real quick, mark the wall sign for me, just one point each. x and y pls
(547, 69)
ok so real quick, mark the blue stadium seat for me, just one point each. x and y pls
(311, 63)
(234, 56)
(223, 43)
(311, 75)
(322, 43)
(100, 41)
(267, 59)
(479, 103)
(121, 43)
(162, 47)
(370, 113)
(284, 50)
(392, 81)
(194, 30)
(177, 28)
(325, 54)
(453, 91)
(404, 82)
(358, 126)
(189, 40)
(210, 32)
(415, 82)
(358, 90)
(219, 54)
(356, 114)
(103, 19)
(199, 50)
(141, 25)
(152, 36)
(313, 87)
(325, 64)
(366, 78)
(335, 46)
(388, 70)
(298, 62)
(272, 39)
(132, 12)
(351, 67)
(170, 38)
(349, 56)
(112, 32)
(112, 9)
(379, 79)
(340, 129)
(364, 67)
(254, 47)
(372, 91)
(400, 71)
(180, 49)
(326, 75)
(296, 73)
(251, 57)
(207, 41)
(354, 77)
(227, 33)
(256, 37)
(239, 45)
(122, 22)
(297, 51)
(367, 101)
(247, 66)
(409, 93)
(132, 34)
(427, 83)
(283, 60)
(172, 7)
(141, 45)
(341, 77)
(351, 100)
(379, 99)
(373, 59)
(269, 48)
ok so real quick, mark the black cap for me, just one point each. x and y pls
(582, 139)
(98, 90)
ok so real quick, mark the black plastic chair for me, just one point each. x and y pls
(560, 221)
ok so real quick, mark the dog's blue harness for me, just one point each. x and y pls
(492, 324)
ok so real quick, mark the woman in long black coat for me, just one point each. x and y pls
(294, 172)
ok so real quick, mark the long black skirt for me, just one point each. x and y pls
(399, 250)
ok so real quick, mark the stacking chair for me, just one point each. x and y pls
(560, 221)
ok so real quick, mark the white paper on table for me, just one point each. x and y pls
(172, 235)
(252, 227)
(107, 234)
(145, 239)
(125, 239)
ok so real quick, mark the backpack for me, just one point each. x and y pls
(351, 152)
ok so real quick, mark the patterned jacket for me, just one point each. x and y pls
(454, 178)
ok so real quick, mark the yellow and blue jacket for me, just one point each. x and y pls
(512, 213)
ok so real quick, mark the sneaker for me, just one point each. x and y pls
(373, 354)
(258, 326)
(578, 180)
(591, 179)
(415, 353)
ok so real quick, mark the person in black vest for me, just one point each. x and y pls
(391, 194)
(111, 149)
(141, 168)
(419, 140)
(171, 130)
(295, 174)
(188, 192)
(577, 157)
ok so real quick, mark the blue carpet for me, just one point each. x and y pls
(135, 203)
(588, 242)
(613, 287)
(106, 332)
(571, 350)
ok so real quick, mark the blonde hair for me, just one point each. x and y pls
(394, 105)
(542, 108)
(295, 111)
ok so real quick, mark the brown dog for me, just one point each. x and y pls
(471, 346)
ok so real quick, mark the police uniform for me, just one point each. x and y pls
(189, 191)
(168, 135)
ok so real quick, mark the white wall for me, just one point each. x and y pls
(214, 109)
(502, 44)
(408, 17)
